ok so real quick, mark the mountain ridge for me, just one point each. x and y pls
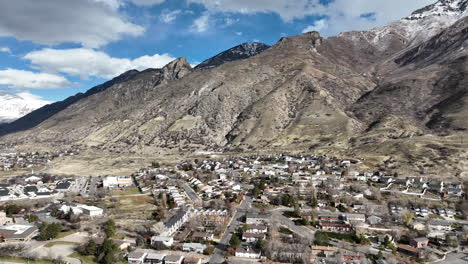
(347, 93)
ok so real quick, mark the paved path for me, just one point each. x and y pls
(220, 251)
(277, 215)
(191, 193)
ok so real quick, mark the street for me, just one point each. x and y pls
(220, 251)
(191, 193)
(277, 215)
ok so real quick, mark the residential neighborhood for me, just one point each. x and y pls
(273, 208)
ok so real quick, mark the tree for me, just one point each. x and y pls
(110, 228)
(90, 248)
(140, 241)
(297, 210)
(321, 238)
(155, 164)
(235, 241)
(108, 252)
(49, 231)
(260, 244)
(408, 218)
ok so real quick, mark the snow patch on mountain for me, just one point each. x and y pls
(14, 106)
(420, 26)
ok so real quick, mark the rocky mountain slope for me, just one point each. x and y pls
(389, 92)
(14, 106)
(243, 51)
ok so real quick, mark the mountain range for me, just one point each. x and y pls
(397, 92)
(14, 106)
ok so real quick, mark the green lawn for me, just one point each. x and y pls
(89, 259)
(66, 233)
(126, 191)
(25, 260)
(84, 259)
(54, 243)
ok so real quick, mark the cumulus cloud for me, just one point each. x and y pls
(87, 63)
(343, 15)
(32, 97)
(5, 49)
(20, 80)
(201, 24)
(92, 23)
(318, 25)
(168, 16)
(147, 2)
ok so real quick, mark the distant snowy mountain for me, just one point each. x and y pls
(14, 106)
(420, 26)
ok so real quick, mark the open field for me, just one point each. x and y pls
(130, 210)
(126, 191)
(54, 243)
(25, 260)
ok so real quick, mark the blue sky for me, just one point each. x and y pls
(51, 49)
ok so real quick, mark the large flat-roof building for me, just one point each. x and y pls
(17, 233)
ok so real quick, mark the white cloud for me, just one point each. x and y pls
(5, 50)
(318, 25)
(147, 2)
(32, 97)
(20, 79)
(201, 24)
(343, 15)
(88, 62)
(169, 16)
(230, 21)
(239, 33)
(92, 23)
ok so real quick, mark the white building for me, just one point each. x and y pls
(117, 182)
(247, 253)
(194, 247)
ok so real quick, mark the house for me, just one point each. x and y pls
(419, 242)
(18, 233)
(374, 220)
(92, 211)
(202, 236)
(356, 218)
(455, 189)
(164, 240)
(436, 225)
(330, 218)
(408, 250)
(176, 221)
(335, 226)
(256, 229)
(155, 258)
(63, 186)
(122, 244)
(256, 218)
(192, 260)
(173, 259)
(323, 251)
(435, 186)
(247, 253)
(136, 257)
(194, 247)
(117, 182)
(4, 220)
(252, 237)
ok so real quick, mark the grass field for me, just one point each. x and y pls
(126, 191)
(54, 243)
(84, 259)
(66, 233)
(25, 260)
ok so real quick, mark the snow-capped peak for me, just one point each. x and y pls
(420, 26)
(14, 106)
